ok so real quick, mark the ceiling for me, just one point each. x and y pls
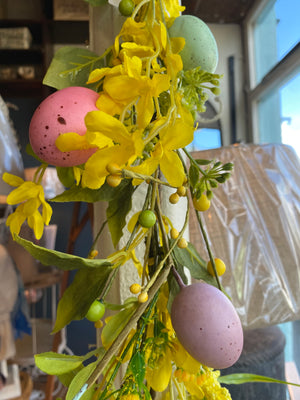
(218, 11)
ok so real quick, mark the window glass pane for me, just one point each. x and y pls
(205, 138)
(276, 32)
(279, 115)
(290, 111)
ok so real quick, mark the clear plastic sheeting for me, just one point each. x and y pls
(10, 156)
(253, 225)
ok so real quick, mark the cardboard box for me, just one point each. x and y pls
(15, 38)
(71, 10)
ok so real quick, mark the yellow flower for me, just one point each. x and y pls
(116, 145)
(159, 375)
(212, 388)
(183, 359)
(132, 49)
(29, 196)
(99, 73)
(171, 8)
(172, 136)
(133, 31)
(136, 88)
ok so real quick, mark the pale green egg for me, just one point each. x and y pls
(200, 45)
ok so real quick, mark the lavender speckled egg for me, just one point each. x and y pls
(61, 112)
(207, 325)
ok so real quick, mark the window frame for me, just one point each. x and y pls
(283, 71)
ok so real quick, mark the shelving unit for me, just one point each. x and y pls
(46, 33)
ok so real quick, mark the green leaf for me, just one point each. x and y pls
(200, 161)
(71, 66)
(57, 364)
(59, 259)
(65, 175)
(105, 193)
(190, 258)
(96, 3)
(67, 378)
(146, 392)
(117, 307)
(79, 381)
(117, 211)
(76, 193)
(31, 153)
(237, 379)
(86, 286)
(138, 368)
(116, 324)
(193, 175)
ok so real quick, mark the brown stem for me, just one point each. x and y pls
(122, 336)
(178, 278)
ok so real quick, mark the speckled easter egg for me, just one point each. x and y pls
(207, 325)
(200, 45)
(61, 112)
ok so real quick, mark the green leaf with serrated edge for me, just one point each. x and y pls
(105, 193)
(71, 66)
(190, 259)
(79, 381)
(117, 211)
(203, 162)
(138, 368)
(193, 175)
(86, 286)
(65, 175)
(116, 324)
(59, 259)
(237, 379)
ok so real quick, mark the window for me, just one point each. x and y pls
(275, 32)
(208, 135)
(279, 114)
(272, 40)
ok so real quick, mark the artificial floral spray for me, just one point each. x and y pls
(117, 121)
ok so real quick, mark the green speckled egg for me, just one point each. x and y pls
(200, 45)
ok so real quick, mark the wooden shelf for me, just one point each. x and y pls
(46, 33)
(34, 55)
(22, 88)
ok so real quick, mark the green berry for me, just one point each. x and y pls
(147, 218)
(96, 311)
(126, 7)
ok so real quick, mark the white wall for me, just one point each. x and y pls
(229, 41)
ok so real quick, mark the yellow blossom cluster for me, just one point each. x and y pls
(28, 196)
(131, 127)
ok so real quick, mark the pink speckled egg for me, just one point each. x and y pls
(207, 325)
(61, 112)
